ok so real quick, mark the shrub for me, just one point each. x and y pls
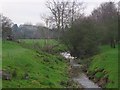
(81, 39)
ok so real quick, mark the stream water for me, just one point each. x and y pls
(78, 76)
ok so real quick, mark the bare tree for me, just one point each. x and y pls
(64, 13)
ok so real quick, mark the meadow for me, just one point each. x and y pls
(56, 46)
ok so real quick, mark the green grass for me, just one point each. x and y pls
(42, 42)
(44, 70)
(108, 60)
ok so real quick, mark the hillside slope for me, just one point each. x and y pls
(105, 65)
(29, 69)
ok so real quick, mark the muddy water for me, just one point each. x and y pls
(77, 75)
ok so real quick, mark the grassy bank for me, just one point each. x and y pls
(104, 67)
(42, 69)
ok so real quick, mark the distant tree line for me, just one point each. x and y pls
(11, 31)
(27, 31)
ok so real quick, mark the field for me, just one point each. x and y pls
(43, 70)
(108, 61)
(58, 47)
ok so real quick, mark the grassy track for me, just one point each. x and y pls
(44, 70)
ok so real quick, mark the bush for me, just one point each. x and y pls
(81, 38)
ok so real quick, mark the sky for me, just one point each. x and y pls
(32, 11)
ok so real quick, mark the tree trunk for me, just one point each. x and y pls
(113, 44)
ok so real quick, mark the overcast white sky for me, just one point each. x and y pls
(23, 11)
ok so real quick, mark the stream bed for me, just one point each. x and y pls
(77, 75)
